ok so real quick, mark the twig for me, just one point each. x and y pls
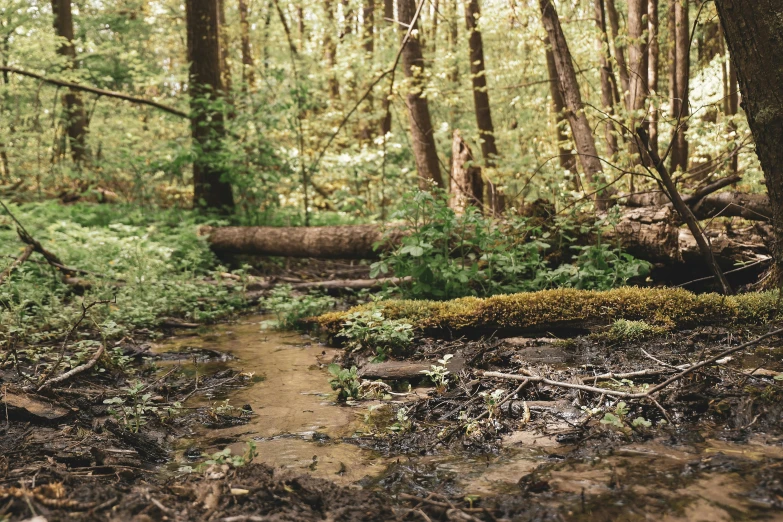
(28, 250)
(627, 395)
(76, 325)
(628, 375)
(79, 369)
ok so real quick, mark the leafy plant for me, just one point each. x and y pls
(132, 409)
(447, 255)
(345, 381)
(369, 329)
(492, 402)
(290, 309)
(403, 424)
(438, 373)
(225, 457)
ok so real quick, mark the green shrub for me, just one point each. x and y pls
(449, 255)
(369, 329)
(290, 309)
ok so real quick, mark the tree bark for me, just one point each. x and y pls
(366, 131)
(478, 76)
(76, 123)
(567, 159)
(637, 47)
(732, 105)
(225, 50)
(386, 120)
(580, 128)
(609, 92)
(680, 105)
(330, 51)
(467, 187)
(654, 53)
(424, 149)
(248, 66)
(619, 51)
(753, 34)
(210, 190)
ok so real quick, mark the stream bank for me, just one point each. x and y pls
(541, 456)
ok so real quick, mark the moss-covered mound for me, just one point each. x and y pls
(668, 307)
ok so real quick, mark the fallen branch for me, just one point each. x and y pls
(529, 377)
(28, 250)
(79, 369)
(685, 212)
(95, 90)
(710, 188)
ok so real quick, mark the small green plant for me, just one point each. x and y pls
(224, 457)
(369, 329)
(492, 402)
(438, 374)
(133, 409)
(345, 381)
(289, 309)
(403, 424)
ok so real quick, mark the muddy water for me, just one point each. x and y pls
(296, 422)
(298, 425)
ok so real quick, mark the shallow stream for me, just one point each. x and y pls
(298, 425)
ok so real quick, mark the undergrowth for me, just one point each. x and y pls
(148, 264)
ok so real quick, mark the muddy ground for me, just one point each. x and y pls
(711, 449)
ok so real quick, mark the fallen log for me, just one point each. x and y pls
(337, 242)
(755, 207)
(650, 233)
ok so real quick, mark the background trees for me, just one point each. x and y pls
(286, 136)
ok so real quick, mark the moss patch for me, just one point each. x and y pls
(666, 307)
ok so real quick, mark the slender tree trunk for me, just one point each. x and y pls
(733, 97)
(386, 120)
(753, 34)
(608, 83)
(652, 69)
(580, 128)
(330, 51)
(558, 108)
(366, 131)
(424, 149)
(619, 51)
(248, 67)
(637, 46)
(5, 167)
(435, 19)
(77, 126)
(267, 23)
(300, 19)
(481, 96)
(348, 19)
(225, 50)
(210, 191)
(682, 73)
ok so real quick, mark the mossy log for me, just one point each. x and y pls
(565, 310)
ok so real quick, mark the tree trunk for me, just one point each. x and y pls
(330, 52)
(210, 191)
(225, 50)
(478, 76)
(435, 19)
(671, 23)
(636, 52)
(558, 108)
(753, 34)
(76, 123)
(580, 128)
(366, 131)
(424, 149)
(386, 121)
(467, 187)
(648, 233)
(248, 67)
(732, 105)
(652, 70)
(301, 29)
(608, 83)
(681, 109)
(619, 51)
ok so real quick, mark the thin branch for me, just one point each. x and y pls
(28, 250)
(95, 90)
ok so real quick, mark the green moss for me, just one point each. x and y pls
(665, 307)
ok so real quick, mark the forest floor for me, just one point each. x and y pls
(485, 449)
